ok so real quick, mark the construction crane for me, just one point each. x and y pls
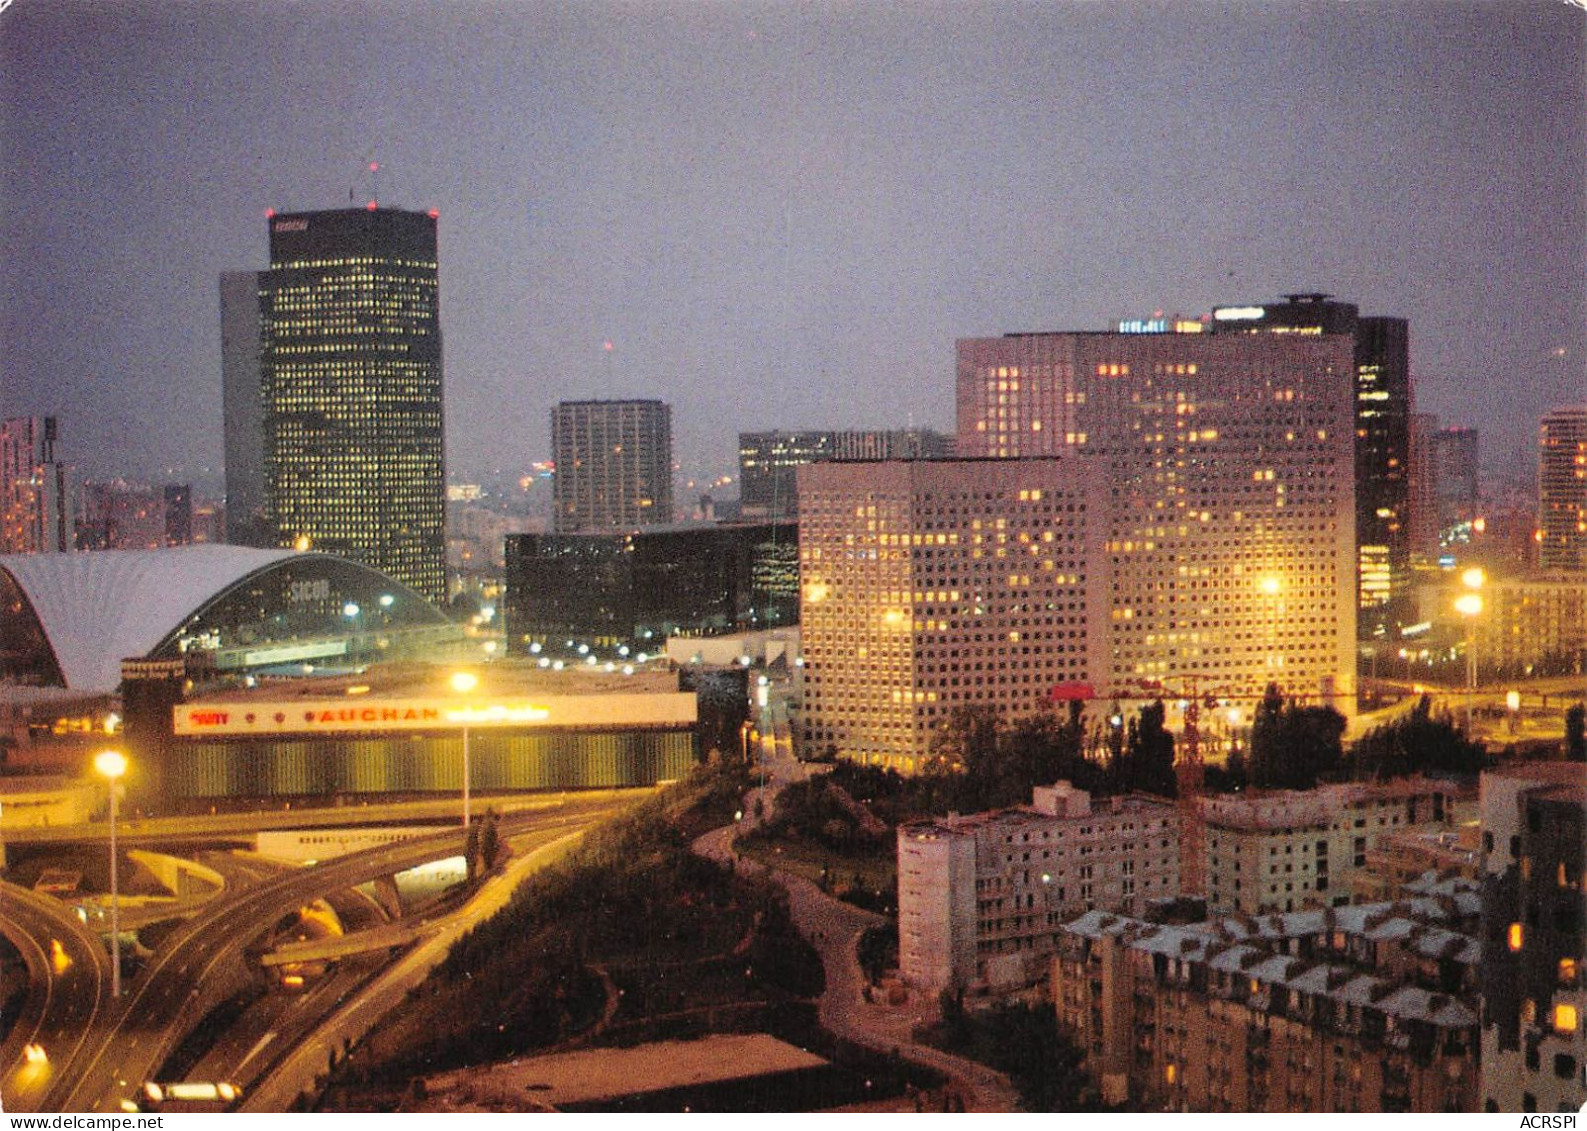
(1189, 766)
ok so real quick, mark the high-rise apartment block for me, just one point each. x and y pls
(1534, 937)
(768, 461)
(350, 370)
(982, 898)
(933, 585)
(37, 491)
(613, 466)
(242, 400)
(1562, 490)
(1229, 463)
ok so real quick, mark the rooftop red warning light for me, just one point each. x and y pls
(435, 213)
(374, 166)
(372, 206)
(270, 213)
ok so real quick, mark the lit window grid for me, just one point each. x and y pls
(1231, 459)
(613, 465)
(936, 588)
(353, 412)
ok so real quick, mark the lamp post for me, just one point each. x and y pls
(1469, 605)
(112, 764)
(463, 683)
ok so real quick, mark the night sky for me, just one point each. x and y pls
(782, 216)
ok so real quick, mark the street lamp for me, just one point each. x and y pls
(1469, 605)
(112, 764)
(463, 683)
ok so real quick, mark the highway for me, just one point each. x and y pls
(206, 960)
(69, 975)
(296, 1068)
(239, 827)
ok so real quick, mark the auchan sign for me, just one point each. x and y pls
(353, 716)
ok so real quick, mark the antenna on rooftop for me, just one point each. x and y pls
(368, 179)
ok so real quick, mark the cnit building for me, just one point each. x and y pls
(1133, 512)
(333, 389)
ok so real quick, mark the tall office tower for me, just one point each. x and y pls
(1562, 490)
(933, 585)
(38, 507)
(1423, 510)
(1455, 478)
(1534, 999)
(1230, 527)
(769, 461)
(243, 410)
(1382, 426)
(613, 466)
(350, 357)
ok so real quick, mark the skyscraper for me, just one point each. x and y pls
(613, 466)
(1229, 461)
(1382, 405)
(1455, 484)
(1562, 490)
(38, 508)
(350, 361)
(1423, 514)
(243, 410)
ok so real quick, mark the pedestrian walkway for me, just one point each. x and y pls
(834, 928)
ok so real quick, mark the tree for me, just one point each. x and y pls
(1292, 747)
(1264, 736)
(1576, 733)
(1417, 743)
(1148, 759)
(471, 850)
(489, 842)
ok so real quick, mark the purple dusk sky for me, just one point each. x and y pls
(783, 215)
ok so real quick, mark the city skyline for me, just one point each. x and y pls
(798, 205)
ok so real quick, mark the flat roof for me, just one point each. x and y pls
(498, 678)
(594, 1075)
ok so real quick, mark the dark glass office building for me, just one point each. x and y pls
(769, 462)
(350, 370)
(635, 590)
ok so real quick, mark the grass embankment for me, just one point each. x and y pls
(630, 937)
(818, 830)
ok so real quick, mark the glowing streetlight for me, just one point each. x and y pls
(463, 683)
(111, 764)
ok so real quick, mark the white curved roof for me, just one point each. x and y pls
(98, 608)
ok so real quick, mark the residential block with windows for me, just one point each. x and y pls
(1289, 849)
(981, 898)
(1534, 1031)
(1367, 1008)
